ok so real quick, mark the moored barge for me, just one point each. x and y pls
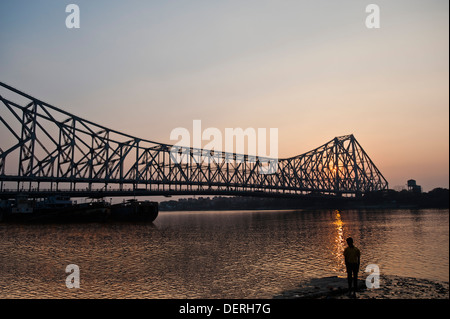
(63, 210)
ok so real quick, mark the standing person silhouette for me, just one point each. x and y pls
(352, 261)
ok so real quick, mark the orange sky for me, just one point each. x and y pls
(312, 70)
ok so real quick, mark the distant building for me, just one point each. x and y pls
(413, 187)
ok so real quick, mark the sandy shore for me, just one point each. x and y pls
(395, 287)
(391, 287)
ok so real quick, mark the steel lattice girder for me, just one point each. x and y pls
(52, 145)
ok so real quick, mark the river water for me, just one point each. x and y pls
(226, 254)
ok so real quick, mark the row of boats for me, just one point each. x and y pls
(63, 209)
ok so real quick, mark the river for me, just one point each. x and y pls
(218, 254)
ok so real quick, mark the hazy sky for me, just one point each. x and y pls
(309, 68)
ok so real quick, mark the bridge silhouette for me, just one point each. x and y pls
(45, 150)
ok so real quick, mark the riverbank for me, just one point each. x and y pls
(396, 287)
(437, 198)
(391, 287)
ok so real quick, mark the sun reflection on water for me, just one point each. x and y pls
(339, 242)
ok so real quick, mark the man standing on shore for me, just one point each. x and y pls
(352, 261)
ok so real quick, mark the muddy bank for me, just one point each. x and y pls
(391, 287)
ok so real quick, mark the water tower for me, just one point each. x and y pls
(413, 187)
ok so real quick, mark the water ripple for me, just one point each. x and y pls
(248, 254)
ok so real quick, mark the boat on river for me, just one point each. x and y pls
(63, 209)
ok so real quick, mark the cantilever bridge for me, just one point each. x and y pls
(45, 150)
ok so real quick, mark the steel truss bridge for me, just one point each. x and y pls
(45, 150)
